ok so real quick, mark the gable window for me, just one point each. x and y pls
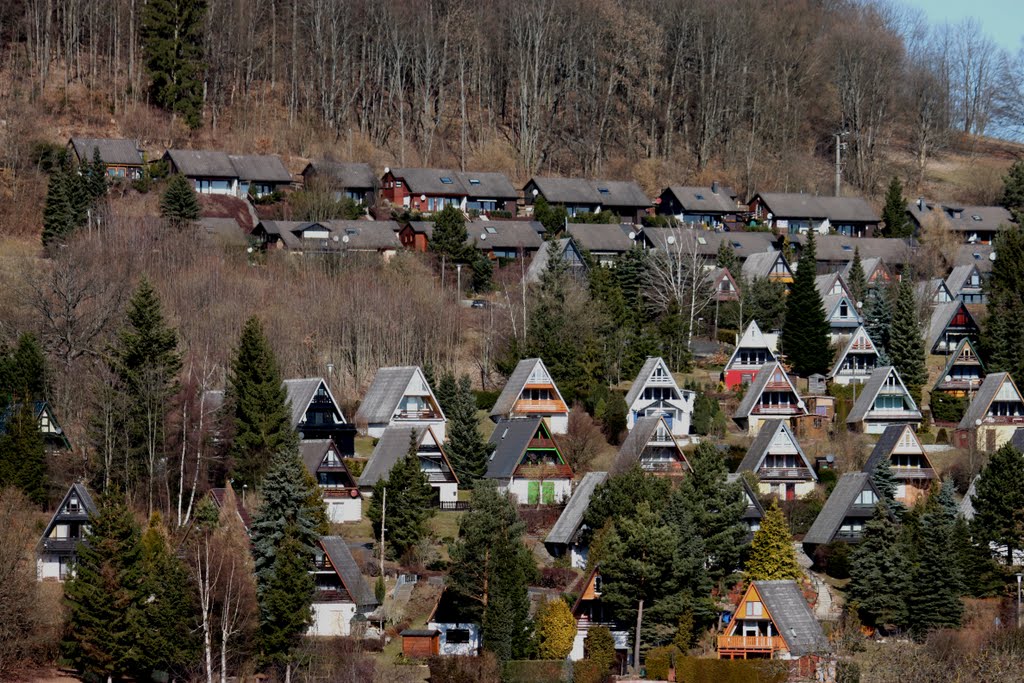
(844, 310)
(867, 497)
(754, 609)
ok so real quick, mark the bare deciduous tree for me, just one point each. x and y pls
(677, 278)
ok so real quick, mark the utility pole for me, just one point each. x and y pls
(383, 512)
(840, 145)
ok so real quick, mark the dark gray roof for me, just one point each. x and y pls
(754, 508)
(602, 237)
(620, 193)
(836, 209)
(759, 265)
(942, 314)
(704, 199)
(385, 393)
(837, 507)
(959, 277)
(510, 439)
(1017, 440)
(759, 447)
(487, 235)
(569, 522)
(978, 407)
(708, 241)
(392, 446)
(539, 263)
(793, 616)
(838, 248)
(971, 218)
(426, 227)
(88, 508)
(967, 504)
(351, 176)
(642, 377)
(313, 451)
(636, 441)
(514, 386)
(883, 447)
(341, 557)
(196, 163)
(757, 386)
(977, 254)
(606, 193)
(869, 392)
(429, 181)
(301, 393)
(260, 168)
(113, 151)
(487, 185)
(365, 235)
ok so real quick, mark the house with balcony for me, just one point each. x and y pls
(119, 156)
(338, 488)
(526, 463)
(934, 291)
(842, 315)
(877, 272)
(69, 526)
(883, 401)
(53, 434)
(780, 464)
(724, 285)
(457, 625)
(753, 351)
(843, 517)
(948, 325)
(343, 180)
(400, 396)
(771, 396)
(753, 513)
(394, 444)
(530, 391)
(774, 621)
(909, 461)
(655, 392)
(995, 413)
(564, 252)
(832, 284)
(964, 372)
(570, 536)
(624, 198)
(971, 224)
(341, 596)
(604, 242)
(428, 190)
(798, 212)
(316, 414)
(710, 206)
(651, 445)
(966, 283)
(590, 612)
(767, 265)
(238, 175)
(856, 361)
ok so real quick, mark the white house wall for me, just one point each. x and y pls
(801, 489)
(558, 424)
(344, 509)
(620, 638)
(520, 489)
(447, 492)
(48, 567)
(469, 649)
(332, 619)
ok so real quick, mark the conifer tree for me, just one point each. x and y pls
(551, 217)
(23, 371)
(858, 281)
(906, 345)
(894, 215)
(935, 587)
(94, 176)
(409, 503)
(286, 600)
(1013, 188)
(999, 501)
(172, 45)
(179, 203)
(879, 573)
(878, 311)
(980, 574)
(58, 211)
(450, 236)
(772, 557)
(765, 301)
(885, 482)
(23, 453)
(599, 648)
(262, 417)
(556, 629)
(467, 450)
(619, 496)
(1003, 340)
(805, 330)
(726, 257)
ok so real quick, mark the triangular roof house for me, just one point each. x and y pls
(842, 315)
(773, 620)
(770, 264)
(875, 271)
(883, 401)
(655, 392)
(779, 462)
(652, 445)
(830, 284)
(909, 461)
(526, 462)
(316, 414)
(400, 396)
(950, 322)
(771, 395)
(68, 527)
(966, 283)
(994, 414)
(723, 284)
(561, 251)
(752, 352)
(338, 487)
(393, 445)
(934, 291)
(53, 433)
(566, 536)
(857, 360)
(754, 512)
(963, 373)
(530, 391)
(848, 508)
(589, 611)
(341, 591)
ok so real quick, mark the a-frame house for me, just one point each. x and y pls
(842, 316)
(909, 461)
(589, 611)
(69, 526)
(966, 283)
(317, 415)
(964, 372)
(771, 395)
(752, 352)
(394, 445)
(883, 401)
(778, 461)
(400, 396)
(53, 434)
(525, 462)
(338, 488)
(876, 273)
(341, 591)
(652, 445)
(770, 265)
(569, 534)
(950, 323)
(994, 414)
(857, 360)
(723, 285)
(848, 508)
(655, 392)
(754, 512)
(530, 391)
(832, 284)
(934, 291)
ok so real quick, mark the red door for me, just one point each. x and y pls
(790, 491)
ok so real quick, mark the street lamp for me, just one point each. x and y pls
(458, 282)
(1018, 599)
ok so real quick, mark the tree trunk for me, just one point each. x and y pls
(636, 638)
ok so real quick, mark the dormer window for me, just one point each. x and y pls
(474, 181)
(699, 197)
(844, 310)
(975, 217)
(446, 180)
(490, 230)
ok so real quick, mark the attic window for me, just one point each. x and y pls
(474, 181)
(701, 240)
(847, 247)
(699, 197)
(603, 190)
(975, 217)
(736, 245)
(490, 230)
(446, 180)
(977, 256)
(351, 231)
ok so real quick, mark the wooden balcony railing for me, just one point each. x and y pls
(802, 473)
(665, 466)
(550, 406)
(338, 492)
(778, 409)
(417, 415)
(751, 643)
(913, 472)
(543, 471)
(453, 505)
(541, 443)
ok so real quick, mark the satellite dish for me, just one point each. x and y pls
(483, 236)
(423, 197)
(387, 169)
(800, 404)
(632, 235)
(770, 215)
(671, 239)
(949, 378)
(535, 192)
(992, 256)
(345, 239)
(335, 238)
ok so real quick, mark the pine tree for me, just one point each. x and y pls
(999, 501)
(619, 496)
(262, 417)
(409, 503)
(980, 574)
(765, 301)
(772, 557)
(179, 203)
(857, 281)
(935, 586)
(450, 236)
(58, 210)
(1013, 188)
(885, 483)
(878, 312)
(94, 177)
(805, 330)
(286, 599)
(726, 257)
(906, 345)
(23, 454)
(879, 573)
(23, 371)
(1003, 340)
(556, 629)
(172, 45)
(467, 450)
(894, 215)
(553, 218)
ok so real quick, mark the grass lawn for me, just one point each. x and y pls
(445, 524)
(364, 446)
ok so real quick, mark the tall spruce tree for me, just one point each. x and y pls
(878, 312)
(772, 557)
(285, 601)
(999, 501)
(805, 330)
(1012, 197)
(23, 371)
(179, 203)
(886, 484)
(879, 573)
(59, 214)
(409, 503)
(1003, 340)
(262, 417)
(726, 257)
(765, 301)
(906, 344)
(466, 448)
(894, 214)
(450, 235)
(23, 453)
(617, 497)
(980, 574)
(172, 45)
(935, 585)
(858, 281)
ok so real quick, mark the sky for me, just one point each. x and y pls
(1003, 20)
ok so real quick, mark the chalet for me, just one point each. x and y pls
(934, 291)
(53, 434)
(69, 526)
(856, 361)
(344, 180)
(457, 626)
(797, 213)
(213, 172)
(604, 242)
(531, 391)
(950, 323)
(832, 284)
(752, 352)
(710, 206)
(767, 265)
(119, 156)
(724, 285)
(526, 462)
(652, 445)
(966, 283)
(772, 395)
(909, 461)
(994, 414)
(342, 595)
(562, 251)
(842, 315)
(971, 224)
(577, 195)
(394, 445)
(317, 415)
(415, 235)
(431, 189)
(568, 535)
(963, 373)
(506, 239)
(590, 611)
(400, 396)
(778, 461)
(848, 508)
(338, 487)
(754, 512)
(876, 272)
(655, 392)
(774, 621)
(835, 253)
(883, 401)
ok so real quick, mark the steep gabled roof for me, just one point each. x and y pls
(887, 442)
(639, 437)
(644, 376)
(753, 395)
(113, 151)
(837, 507)
(942, 315)
(86, 510)
(392, 446)
(958, 278)
(548, 250)
(828, 283)
(754, 508)
(831, 303)
(966, 508)
(348, 571)
(301, 393)
(510, 439)
(313, 452)
(760, 447)
(515, 384)
(569, 522)
(930, 291)
(996, 385)
(793, 617)
(965, 354)
(386, 392)
(752, 338)
(860, 341)
(869, 393)
(760, 265)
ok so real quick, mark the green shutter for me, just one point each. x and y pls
(549, 493)
(533, 492)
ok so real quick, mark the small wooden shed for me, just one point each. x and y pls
(420, 643)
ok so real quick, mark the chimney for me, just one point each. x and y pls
(714, 187)
(920, 203)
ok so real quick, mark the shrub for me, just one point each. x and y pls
(659, 660)
(464, 669)
(946, 408)
(587, 671)
(802, 512)
(530, 671)
(556, 629)
(834, 559)
(731, 670)
(847, 671)
(828, 479)
(599, 648)
(485, 400)
(558, 578)
(47, 156)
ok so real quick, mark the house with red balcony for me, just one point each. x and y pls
(529, 392)
(774, 621)
(338, 488)
(883, 401)
(950, 323)
(994, 414)
(341, 596)
(526, 463)
(590, 612)
(843, 516)
(655, 392)
(394, 445)
(753, 351)
(427, 190)
(651, 445)
(909, 461)
(780, 464)
(964, 372)
(772, 395)
(400, 396)
(857, 360)
(69, 526)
